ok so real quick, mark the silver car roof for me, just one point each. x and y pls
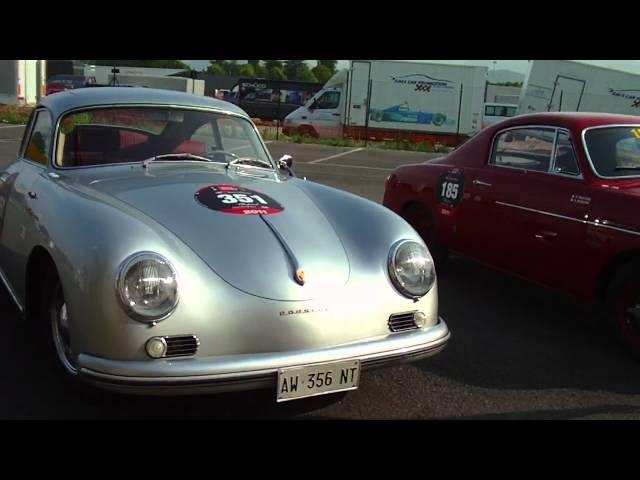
(60, 102)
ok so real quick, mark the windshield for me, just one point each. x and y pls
(114, 135)
(614, 151)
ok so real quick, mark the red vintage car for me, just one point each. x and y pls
(551, 197)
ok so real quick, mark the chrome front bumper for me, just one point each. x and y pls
(188, 376)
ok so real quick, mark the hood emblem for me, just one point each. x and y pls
(300, 276)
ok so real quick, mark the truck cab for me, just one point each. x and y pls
(321, 116)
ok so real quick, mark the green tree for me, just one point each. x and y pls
(232, 67)
(292, 67)
(269, 64)
(330, 64)
(261, 71)
(247, 70)
(304, 74)
(216, 69)
(276, 73)
(322, 73)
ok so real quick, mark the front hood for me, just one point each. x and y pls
(245, 251)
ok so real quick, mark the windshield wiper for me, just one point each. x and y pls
(632, 167)
(238, 161)
(167, 156)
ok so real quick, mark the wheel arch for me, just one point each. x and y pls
(608, 273)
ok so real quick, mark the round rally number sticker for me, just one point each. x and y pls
(237, 200)
(450, 188)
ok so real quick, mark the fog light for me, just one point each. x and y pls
(420, 318)
(156, 347)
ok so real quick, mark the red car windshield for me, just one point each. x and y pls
(614, 151)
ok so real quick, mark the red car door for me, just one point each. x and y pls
(535, 201)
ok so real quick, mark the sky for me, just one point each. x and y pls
(520, 66)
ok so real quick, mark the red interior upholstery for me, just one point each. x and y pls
(191, 146)
(91, 145)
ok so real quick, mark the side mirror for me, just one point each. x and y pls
(285, 162)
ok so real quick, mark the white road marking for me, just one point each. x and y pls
(336, 155)
(351, 166)
(10, 139)
(12, 126)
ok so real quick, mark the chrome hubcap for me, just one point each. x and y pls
(61, 339)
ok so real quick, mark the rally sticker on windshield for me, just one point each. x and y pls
(450, 188)
(237, 200)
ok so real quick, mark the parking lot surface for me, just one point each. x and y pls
(518, 351)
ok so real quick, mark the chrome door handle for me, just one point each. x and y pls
(32, 195)
(481, 183)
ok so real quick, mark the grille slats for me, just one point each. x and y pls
(400, 322)
(181, 346)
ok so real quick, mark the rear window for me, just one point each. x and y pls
(614, 151)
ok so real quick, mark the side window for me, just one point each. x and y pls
(628, 153)
(38, 146)
(490, 110)
(565, 158)
(328, 100)
(526, 148)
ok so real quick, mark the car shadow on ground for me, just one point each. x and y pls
(30, 389)
(511, 334)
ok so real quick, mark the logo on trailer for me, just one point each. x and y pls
(423, 83)
(628, 94)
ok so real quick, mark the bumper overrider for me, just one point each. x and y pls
(176, 376)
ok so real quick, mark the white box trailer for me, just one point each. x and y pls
(380, 99)
(22, 82)
(573, 86)
(180, 84)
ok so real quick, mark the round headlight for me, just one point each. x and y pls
(148, 287)
(411, 268)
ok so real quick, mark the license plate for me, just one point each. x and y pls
(312, 380)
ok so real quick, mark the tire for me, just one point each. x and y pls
(438, 119)
(377, 115)
(307, 131)
(50, 321)
(421, 220)
(622, 307)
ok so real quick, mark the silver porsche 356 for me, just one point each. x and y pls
(152, 238)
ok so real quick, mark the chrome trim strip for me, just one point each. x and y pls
(287, 249)
(11, 291)
(615, 226)
(542, 212)
(596, 223)
(586, 150)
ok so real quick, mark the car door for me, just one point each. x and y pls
(19, 221)
(325, 113)
(532, 204)
(550, 215)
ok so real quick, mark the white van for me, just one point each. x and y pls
(496, 112)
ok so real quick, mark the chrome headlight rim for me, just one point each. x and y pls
(125, 266)
(391, 269)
